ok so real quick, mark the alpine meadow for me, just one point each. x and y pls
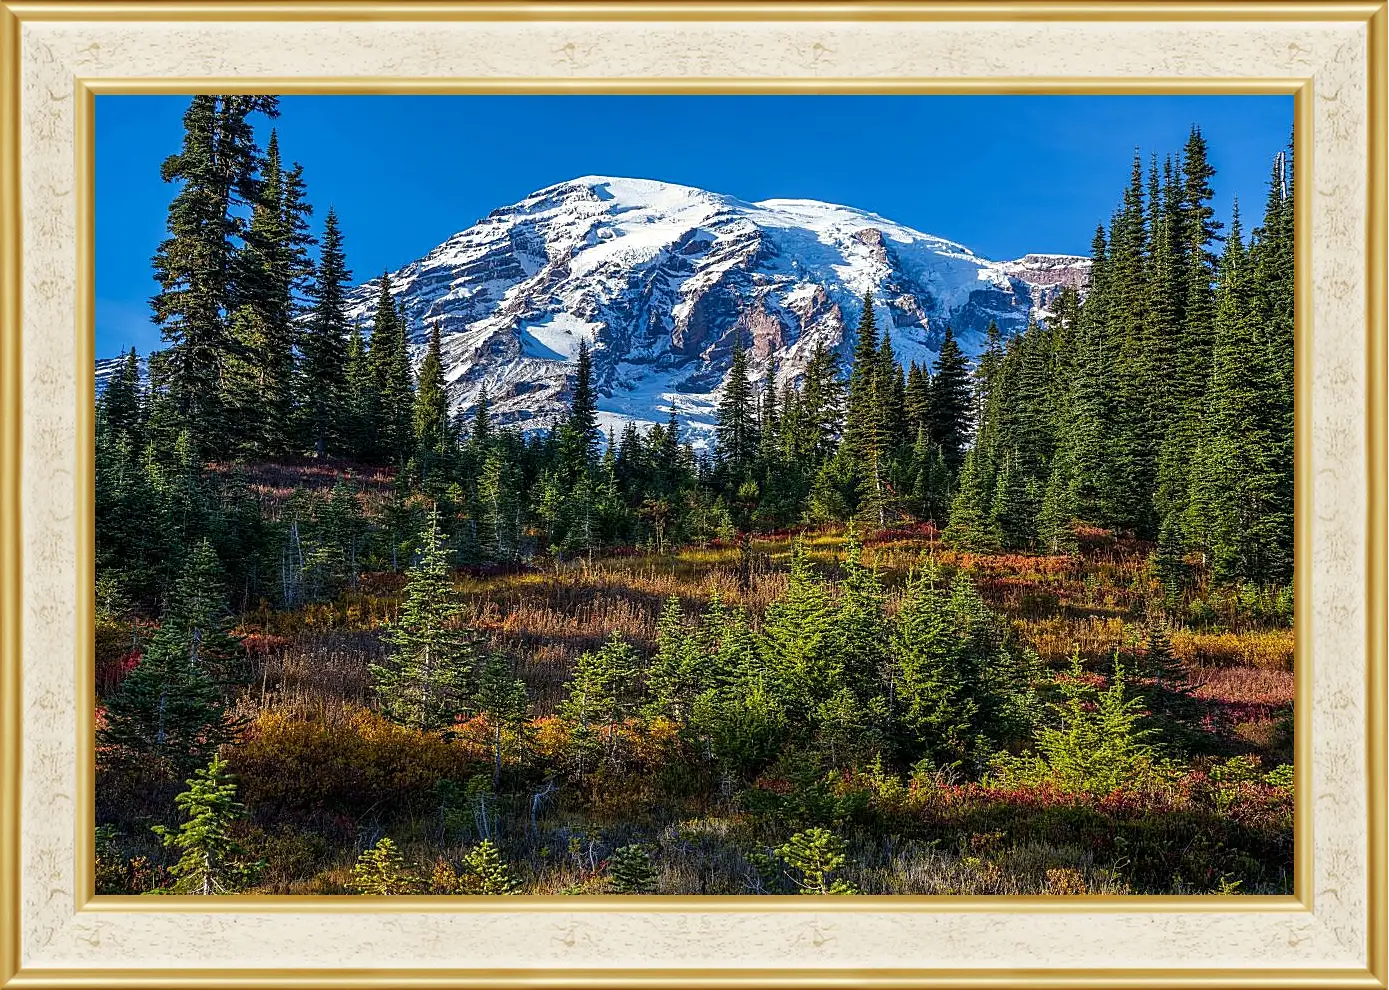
(641, 539)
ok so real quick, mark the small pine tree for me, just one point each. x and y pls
(839, 727)
(937, 679)
(815, 854)
(502, 698)
(743, 726)
(800, 644)
(859, 620)
(603, 688)
(1160, 665)
(1168, 566)
(632, 870)
(381, 871)
(426, 680)
(678, 672)
(1167, 693)
(170, 708)
(212, 862)
(486, 872)
(1099, 745)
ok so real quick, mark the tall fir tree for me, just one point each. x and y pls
(393, 397)
(259, 383)
(917, 399)
(217, 169)
(122, 403)
(868, 417)
(891, 396)
(480, 434)
(1057, 514)
(1273, 283)
(861, 424)
(951, 415)
(971, 525)
(499, 524)
(295, 211)
(737, 418)
(985, 372)
(820, 410)
(329, 374)
(433, 430)
(1090, 434)
(1235, 512)
(579, 434)
(769, 418)
(359, 400)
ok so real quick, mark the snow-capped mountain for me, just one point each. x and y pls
(661, 279)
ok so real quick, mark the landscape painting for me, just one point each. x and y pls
(694, 495)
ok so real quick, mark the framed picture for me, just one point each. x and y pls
(681, 494)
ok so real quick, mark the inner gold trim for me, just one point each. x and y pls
(87, 900)
(705, 86)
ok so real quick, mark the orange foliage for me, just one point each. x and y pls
(646, 745)
(347, 765)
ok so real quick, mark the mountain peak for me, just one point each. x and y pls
(622, 190)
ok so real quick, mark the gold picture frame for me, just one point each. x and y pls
(58, 55)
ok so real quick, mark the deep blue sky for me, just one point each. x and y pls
(1004, 175)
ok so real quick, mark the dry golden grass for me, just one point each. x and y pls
(1096, 637)
(1264, 649)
